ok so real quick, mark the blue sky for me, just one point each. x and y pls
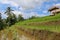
(28, 8)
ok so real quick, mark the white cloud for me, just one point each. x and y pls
(17, 12)
(13, 4)
(10, 3)
(45, 11)
(3, 15)
(30, 4)
(58, 4)
(26, 4)
(26, 15)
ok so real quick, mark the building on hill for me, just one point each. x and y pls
(54, 10)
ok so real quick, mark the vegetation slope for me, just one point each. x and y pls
(50, 23)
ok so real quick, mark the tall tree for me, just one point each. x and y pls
(20, 18)
(1, 22)
(9, 11)
(9, 14)
(14, 19)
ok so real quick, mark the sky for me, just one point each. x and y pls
(28, 8)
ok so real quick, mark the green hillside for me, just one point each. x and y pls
(50, 23)
(46, 27)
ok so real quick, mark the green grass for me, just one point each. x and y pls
(25, 24)
(55, 28)
(42, 19)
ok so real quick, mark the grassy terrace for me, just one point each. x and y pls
(38, 20)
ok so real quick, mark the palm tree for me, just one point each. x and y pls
(9, 11)
(9, 14)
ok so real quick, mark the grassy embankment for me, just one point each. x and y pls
(50, 23)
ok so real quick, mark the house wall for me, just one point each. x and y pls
(55, 11)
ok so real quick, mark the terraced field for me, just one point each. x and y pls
(44, 28)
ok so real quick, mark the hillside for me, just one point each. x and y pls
(44, 28)
(51, 23)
